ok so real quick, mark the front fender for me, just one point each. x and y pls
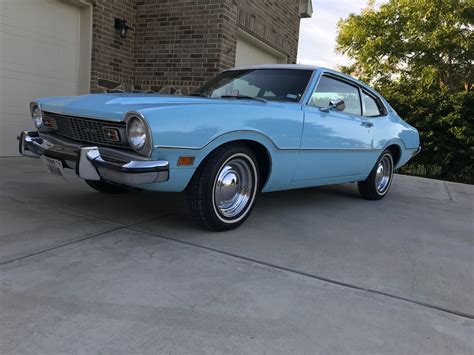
(199, 154)
(196, 130)
(282, 161)
(195, 126)
(180, 175)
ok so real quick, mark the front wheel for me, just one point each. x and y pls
(222, 192)
(378, 183)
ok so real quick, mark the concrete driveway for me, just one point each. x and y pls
(312, 271)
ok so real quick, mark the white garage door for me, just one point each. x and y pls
(39, 56)
(250, 51)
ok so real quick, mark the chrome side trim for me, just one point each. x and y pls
(260, 133)
(349, 149)
(217, 137)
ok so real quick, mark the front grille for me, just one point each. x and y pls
(87, 130)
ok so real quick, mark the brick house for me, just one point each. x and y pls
(69, 47)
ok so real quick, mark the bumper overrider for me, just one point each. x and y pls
(90, 164)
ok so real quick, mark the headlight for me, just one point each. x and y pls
(37, 115)
(138, 134)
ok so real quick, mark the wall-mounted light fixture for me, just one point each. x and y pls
(121, 25)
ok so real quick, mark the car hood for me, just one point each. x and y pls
(114, 106)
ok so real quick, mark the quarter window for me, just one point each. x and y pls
(331, 89)
(371, 107)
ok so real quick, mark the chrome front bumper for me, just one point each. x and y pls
(89, 164)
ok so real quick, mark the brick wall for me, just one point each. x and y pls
(276, 22)
(181, 43)
(174, 46)
(112, 61)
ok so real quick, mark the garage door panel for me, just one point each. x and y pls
(26, 29)
(39, 57)
(248, 54)
(19, 120)
(45, 60)
(250, 51)
(36, 87)
(48, 58)
(10, 129)
(41, 19)
(12, 123)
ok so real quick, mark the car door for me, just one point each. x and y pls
(335, 143)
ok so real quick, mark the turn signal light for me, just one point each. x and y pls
(48, 122)
(183, 161)
(111, 134)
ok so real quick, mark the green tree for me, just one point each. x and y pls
(419, 54)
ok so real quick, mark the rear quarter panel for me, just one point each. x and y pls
(392, 129)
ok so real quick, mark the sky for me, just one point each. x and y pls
(317, 44)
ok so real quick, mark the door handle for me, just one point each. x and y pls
(367, 124)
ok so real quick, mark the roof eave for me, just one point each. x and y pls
(306, 9)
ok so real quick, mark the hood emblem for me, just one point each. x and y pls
(90, 131)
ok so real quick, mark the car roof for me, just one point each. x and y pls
(277, 66)
(295, 67)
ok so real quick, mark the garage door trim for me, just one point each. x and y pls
(85, 51)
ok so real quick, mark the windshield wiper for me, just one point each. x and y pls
(242, 97)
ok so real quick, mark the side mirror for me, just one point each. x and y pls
(335, 104)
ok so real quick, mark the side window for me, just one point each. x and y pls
(371, 107)
(329, 89)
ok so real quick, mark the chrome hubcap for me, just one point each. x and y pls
(384, 174)
(234, 187)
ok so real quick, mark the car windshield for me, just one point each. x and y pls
(286, 85)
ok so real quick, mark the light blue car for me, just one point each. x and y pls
(249, 130)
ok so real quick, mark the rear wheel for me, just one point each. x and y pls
(378, 183)
(222, 192)
(107, 187)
